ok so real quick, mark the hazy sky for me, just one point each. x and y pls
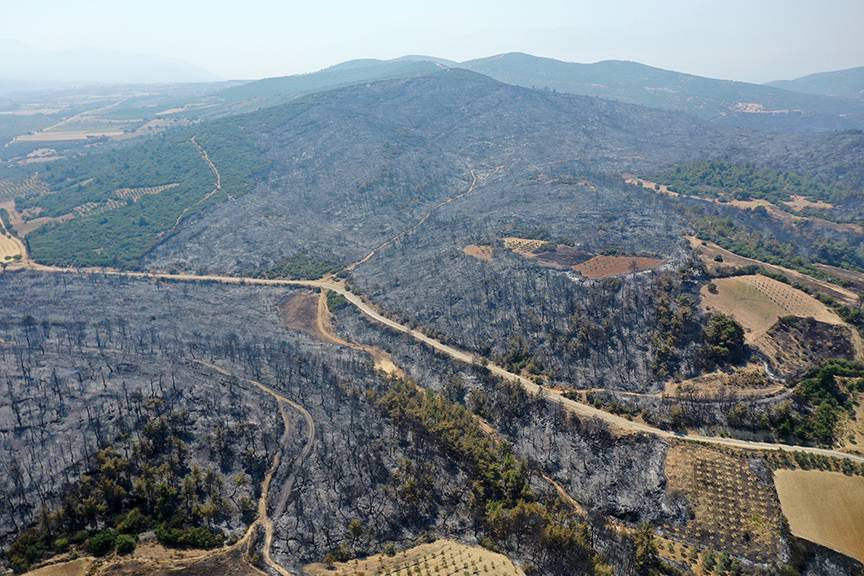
(755, 40)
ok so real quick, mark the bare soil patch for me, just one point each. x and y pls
(605, 266)
(824, 507)
(757, 302)
(560, 257)
(480, 252)
(440, 558)
(300, 314)
(732, 508)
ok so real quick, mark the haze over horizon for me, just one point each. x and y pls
(735, 40)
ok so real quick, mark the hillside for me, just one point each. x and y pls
(728, 102)
(303, 188)
(847, 83)
(345, 74)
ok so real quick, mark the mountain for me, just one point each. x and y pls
(336, 171)
(847, 83)
(344, 74)
(725, 101)
(22, 63)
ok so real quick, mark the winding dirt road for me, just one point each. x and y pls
(263, 519)
(420, 222)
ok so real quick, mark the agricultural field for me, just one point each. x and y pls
(757, 302)
(606, 266)
(523, 246)
(561, 257)
(440, 558)
(31, 185)
(717, 258)
(824, 507)
(10, 248)
(67, 135)
(299, 313)
(733, 507)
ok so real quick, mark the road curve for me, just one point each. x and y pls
(369, 311)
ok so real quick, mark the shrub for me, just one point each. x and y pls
(188, 537)
(101, 543)
(125, 544)
(725, 339)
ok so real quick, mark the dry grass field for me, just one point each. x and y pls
(732, 509)
(151, 559)
(483, 253)
(648, 185)
(824, 507)
(10, 248)
(440, 558)
(605, 266)
(757, 302)
(750, 382)
(78, 567)
(799, 203)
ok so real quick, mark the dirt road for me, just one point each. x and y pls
(372, 313)
(263, 518)
(419, 222)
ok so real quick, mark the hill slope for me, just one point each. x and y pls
(847, 83)
(729, 102)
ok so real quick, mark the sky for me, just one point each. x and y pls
(753, 40)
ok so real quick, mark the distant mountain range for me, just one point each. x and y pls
(29, 66)
(728, 102)
(345, 74)
(847, 83)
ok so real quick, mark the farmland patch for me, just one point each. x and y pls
(757, 302)
(605, 266)
(732, 506)
(440, 558)
(824, 507)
